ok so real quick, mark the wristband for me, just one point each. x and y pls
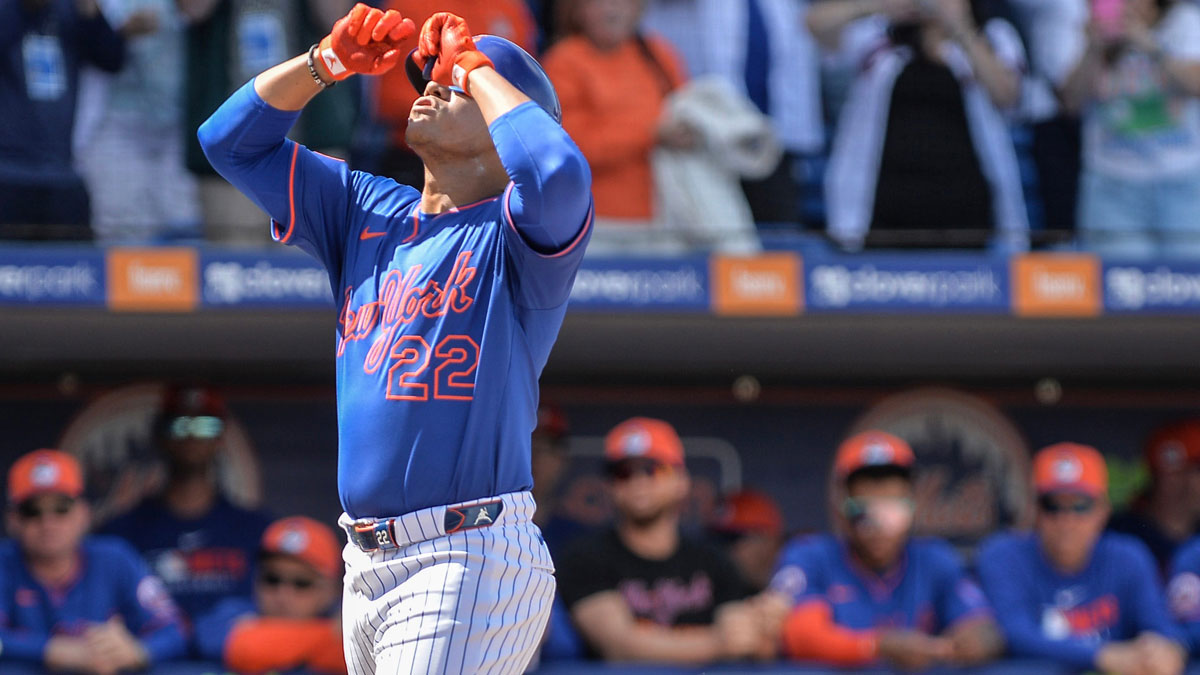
(312, 69)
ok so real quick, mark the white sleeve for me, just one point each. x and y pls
(1006, 44)
(862, 38)
(1180, 33)
(1059, 39)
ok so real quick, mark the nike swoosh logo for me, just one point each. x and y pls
(368, 234)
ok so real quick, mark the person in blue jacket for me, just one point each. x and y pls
(69, 601)
(1070, 592)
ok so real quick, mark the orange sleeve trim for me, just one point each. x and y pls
(810, 634)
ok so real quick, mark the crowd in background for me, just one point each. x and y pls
(188, 574)
(1002, 124)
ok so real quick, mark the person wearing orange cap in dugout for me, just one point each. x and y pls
(751, 525)
(874, 593)
(642, 591)
(69, 601)
(1070, 592)
(1166, 514)
(292, 622)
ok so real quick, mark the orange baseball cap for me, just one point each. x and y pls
(644, 437)
(306, 539)
(748, 511)
(44, 471)
(872, 448)
(185, 400)
(1070, 467)
(1174, 447)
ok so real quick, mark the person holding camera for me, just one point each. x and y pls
(1133, 73)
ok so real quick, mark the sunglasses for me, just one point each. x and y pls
(628, 468)
(201, 426)
(1050, 506)
(276, 580)
(29, 510)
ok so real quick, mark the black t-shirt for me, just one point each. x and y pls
(929, 174)
(678, 591)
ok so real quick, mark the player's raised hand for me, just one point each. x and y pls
(367, 41)
(446, 52)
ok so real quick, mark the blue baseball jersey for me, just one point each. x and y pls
(1183, 592)
(1068, 617)
(444, 321)
(213, 629)
(202, 560)
(112, 581)
(927, 590)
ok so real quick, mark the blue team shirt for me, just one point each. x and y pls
(202, 560)
(1183, 592)
(1067, 618)
(444, 321)
(928, 590)
(112, 581)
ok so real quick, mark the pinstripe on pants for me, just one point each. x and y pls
(474, 601)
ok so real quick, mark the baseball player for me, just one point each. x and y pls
(288, 624)
(449, 301)
(877, 593)
(1070, 592)
(69, 601)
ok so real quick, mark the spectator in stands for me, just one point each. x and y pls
(922, 155)
(70, 601)
(202, 545)
(1166, 514)
(874, 593)
(1071, 593)
(1056, 139)
(612, 82)
(139, 127)
(1135, 77)
(46, 43)
(293, 621)
(393, 96)
(750, 524)
(229, 42)
(642, 591)
(762, 49)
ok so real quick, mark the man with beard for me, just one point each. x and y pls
(642, 591)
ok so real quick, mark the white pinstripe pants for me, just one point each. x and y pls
(474, 601)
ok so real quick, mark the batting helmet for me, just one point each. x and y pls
(514, 63)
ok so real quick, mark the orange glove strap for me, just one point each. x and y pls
(466, 62)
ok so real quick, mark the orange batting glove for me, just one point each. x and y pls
(446, 43)
(366, 41)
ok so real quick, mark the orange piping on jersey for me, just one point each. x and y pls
(291, 196)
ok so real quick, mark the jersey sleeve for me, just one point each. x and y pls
(1144, 593)
(547, 206)
(261, 644)
(799, 574)
(1006, 583)
(306, 194)
(1183, 592)
(958, 596)
(16, 644)
(212, 630)
(147, 608)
